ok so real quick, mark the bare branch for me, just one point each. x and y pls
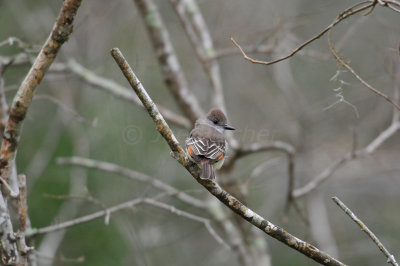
(66, 108)
(265, 146)
(86, 196)
(345, 14)
(117, 90)
(113, 168)
(193, 22)
(248, 149)
(152, 109)
(389, 2)
(249, 49)
(390, 257)
(371, 147)
(366, 84)
(7, 236)
(126, 205)
(19, 107)
(227, 199)
(316, 181)
(61, 30)
(3, 100)
(27, 48)
(193, 217)
(61, 258)
(172, 71)
(7, 190)
(22, 218)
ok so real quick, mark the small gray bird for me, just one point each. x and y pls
(206, 144)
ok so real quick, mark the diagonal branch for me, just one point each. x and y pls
(223, 196)
(390, 257)
(19, 107)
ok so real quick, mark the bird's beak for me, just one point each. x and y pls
(228, 127)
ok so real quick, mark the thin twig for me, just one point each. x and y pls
(345, 14)
(354, 154)
(265, 146)
(191, 216)
(391, 2)
(227, 199)
(390, 257)
(66, 108)
(8, 191)
(85, 196)
(117, 90)
(127, 205)
(329, 171)
(113, 168)
(60, 258)
(366, 84)
(249, 49)
(27, 48)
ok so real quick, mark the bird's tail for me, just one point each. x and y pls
(207, 171)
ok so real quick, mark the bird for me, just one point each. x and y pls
(206, 145)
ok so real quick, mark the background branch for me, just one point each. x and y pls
(172, 71)
(366, 84)
(345, 14)
(195, 27)
(116, 89)
(134, 175)
(390, 257)
(126, 205)
(330, 170)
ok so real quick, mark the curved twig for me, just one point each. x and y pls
(345, 14)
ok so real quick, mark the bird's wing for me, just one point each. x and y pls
(206, 147)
